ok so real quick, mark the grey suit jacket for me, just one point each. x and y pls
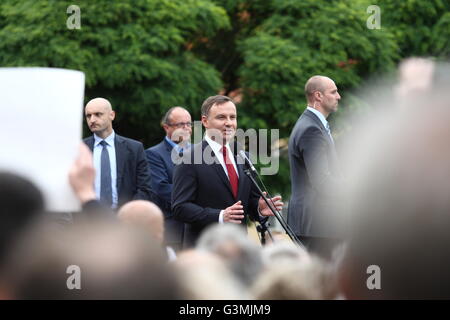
(315, 179)
(133, 173)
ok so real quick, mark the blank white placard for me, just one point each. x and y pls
(40, 128)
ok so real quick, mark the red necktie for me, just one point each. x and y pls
(234, 181)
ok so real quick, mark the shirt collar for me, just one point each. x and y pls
(173, 144)
(319, 115)
(178, 147)
(109, 139)
(217, 147)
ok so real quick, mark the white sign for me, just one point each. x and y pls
(40, 128)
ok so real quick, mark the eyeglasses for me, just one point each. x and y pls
(180, 124)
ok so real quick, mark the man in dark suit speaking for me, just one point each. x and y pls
(210, 186)
(121, 169)
(315, 175)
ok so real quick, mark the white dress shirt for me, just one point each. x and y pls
(217, 149)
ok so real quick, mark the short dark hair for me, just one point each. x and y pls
(21, 202)
(213, 100)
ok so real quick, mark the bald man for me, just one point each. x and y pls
(122, 173)
(315, 175)
(147, 215)
(177, 124)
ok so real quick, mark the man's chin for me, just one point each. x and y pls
(97, 131)
(228, 138)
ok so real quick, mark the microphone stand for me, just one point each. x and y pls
(262, 228)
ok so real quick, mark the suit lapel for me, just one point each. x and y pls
(90, 142)
(332, 150)
(167, 146)
(121, 151)
(236, 148)
(241, 179)
(321, 126)
(217, 167)
(167, 154)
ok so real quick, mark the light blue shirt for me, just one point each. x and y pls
(320, 116)
(323, 120)
(97, 152)
(176, 146)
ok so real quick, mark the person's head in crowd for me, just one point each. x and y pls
(415, 76)
(231, 242)
(307, 279)
(219, 117)
(205, 276)
(400, 203)
(322, 94)
(177, 123)
(105, 260)
(144, 214)
(21, 202)
(418, 78)
(99, 117)
(284, 251)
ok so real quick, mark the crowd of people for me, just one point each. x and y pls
(169, 222)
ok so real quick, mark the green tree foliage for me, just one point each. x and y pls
(222, 49)
(303, 38)
(136, 53)
(148, 55)
(440, 38)
(420, 28)
(279, 44)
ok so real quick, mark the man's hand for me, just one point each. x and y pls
(82, 175)
(264, 210)
(234, 213)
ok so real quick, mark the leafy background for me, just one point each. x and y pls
(148, 55)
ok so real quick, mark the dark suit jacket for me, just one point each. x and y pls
(201, 191)
(161, 167)
(133, 174)
(315, 179)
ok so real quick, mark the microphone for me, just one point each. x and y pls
(247, 161)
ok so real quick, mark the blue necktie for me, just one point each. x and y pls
(105, 176)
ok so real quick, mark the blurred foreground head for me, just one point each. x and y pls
(144, 214)
(115, 262)
(400, 199)
(307, 279)
(20, 203)
(205, 276)
(231, 243)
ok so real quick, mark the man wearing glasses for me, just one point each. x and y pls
(177, 124)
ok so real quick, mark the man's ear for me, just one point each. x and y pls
(112, 115)
(318, 95)
(205, 121)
